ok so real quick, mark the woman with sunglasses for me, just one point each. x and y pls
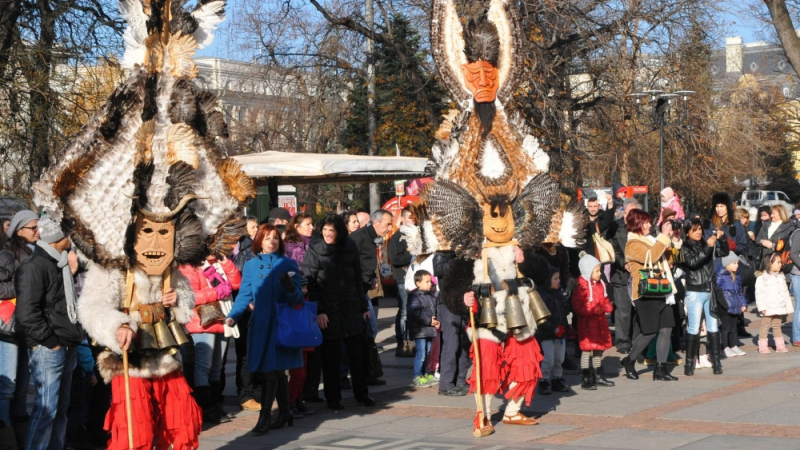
(23, 232)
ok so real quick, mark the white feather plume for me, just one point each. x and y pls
(208, 17)
(135, 34)
(568, 231)
(540, 157)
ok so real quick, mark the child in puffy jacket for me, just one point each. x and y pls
(773, 302)
(551, 334)
(422, 325)
(590, 302)
(731, 285)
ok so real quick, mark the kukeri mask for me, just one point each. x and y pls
(481, 79)
(154, 245)
(498, 223)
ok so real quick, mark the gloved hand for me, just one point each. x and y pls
(287, 282)
(224, 290)
(209, 272)
(559, 331)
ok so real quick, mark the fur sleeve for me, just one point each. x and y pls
(185, 308)
(456, 283)
(99, 306)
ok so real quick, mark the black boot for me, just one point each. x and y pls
(268, 392)
(600, 378)
(544, 387)
(20, 426)
(630, 368)
(714, 352)
(202, 395)
(8, 441)
(692, 344)
(587, 380)
(219, 399)
(559, 385)
(660, 373)
(284, 408)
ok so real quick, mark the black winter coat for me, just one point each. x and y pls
(421, 309)
(245, 252)
(559, 306)
(618, 236)
(334, 282)
(41, 304)
(8, 268)
(366, 240)
(699, 263)
(398, 251)
(604, 219)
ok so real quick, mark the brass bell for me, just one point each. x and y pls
(147, 339)
(515, 317)
(538, 308)
(164, 336)
(488, 317)
(178, 333)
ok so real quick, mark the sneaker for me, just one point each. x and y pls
(730, 353)
(703, 362)
(436, 375)
(738, 351)
(421, 382)
(560, 385)
(431, 379)
(544, 387)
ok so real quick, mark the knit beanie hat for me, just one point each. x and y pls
(587, 265)
(553, 271)
(20, 219)
(50, 230)
(729, 258)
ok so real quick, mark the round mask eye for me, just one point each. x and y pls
(163, 232)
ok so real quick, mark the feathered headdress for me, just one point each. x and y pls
(152, 146)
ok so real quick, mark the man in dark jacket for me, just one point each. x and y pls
(454, 361)
(620, 272)
(244, 379)
(367, 240)
(400, 258)
(46, 313)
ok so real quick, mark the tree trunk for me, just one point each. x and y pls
(9, 13)
(782, 22)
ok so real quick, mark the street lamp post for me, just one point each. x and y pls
(661, 102)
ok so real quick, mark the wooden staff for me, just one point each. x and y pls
(483, 429)
(129, 415)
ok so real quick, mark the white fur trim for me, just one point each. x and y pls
(492, 165)
(540, 158)
(568, 231)
(184, 309)
(413, 238)
(483, 333)
(208, 17)
(152, 366)
(432, 244)
(99, 306)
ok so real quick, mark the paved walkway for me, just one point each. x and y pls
(753, 405)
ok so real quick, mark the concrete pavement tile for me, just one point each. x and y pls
(419, 426)
(729, 408)
(639, 439)
(512, 433)
(742, 443)
(619, 406)
(346, 420)
(687, 387)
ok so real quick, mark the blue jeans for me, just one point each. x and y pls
(208, 351)
(796, 319)
(51, 371)
(423, 351)
(400, 330)
(696, 304)
(14, 379)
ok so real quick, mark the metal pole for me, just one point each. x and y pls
(661, 153)
(374, 197)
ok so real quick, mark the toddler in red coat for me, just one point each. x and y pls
(590, 302)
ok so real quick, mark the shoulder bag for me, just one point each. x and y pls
(297, 325)
(654, 282)
(603, 249)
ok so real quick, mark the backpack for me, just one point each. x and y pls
(785, 250)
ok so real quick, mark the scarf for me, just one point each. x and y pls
(66, 273)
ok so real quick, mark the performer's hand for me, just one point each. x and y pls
(230, 322)
(170, 298)
(72, 260)
(124, 337)
(322, 321)
(469, 299)
(519, 257)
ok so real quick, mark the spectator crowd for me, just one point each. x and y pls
(667, 282)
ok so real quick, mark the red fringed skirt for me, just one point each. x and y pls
(492, 368)
(523, 360)
(161, 408)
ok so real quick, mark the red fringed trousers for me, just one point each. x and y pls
(501, 365)
(163, 412)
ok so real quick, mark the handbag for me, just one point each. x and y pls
(718, 301)
(372, 359)
(603, 249)
(209, 312)
(654, 282)
(297, 325)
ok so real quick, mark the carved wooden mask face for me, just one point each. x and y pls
(154, 246)
(481, 78)
(498, 225)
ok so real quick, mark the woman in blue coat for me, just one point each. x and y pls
(269, 278)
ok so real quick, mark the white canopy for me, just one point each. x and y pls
(325, 167)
